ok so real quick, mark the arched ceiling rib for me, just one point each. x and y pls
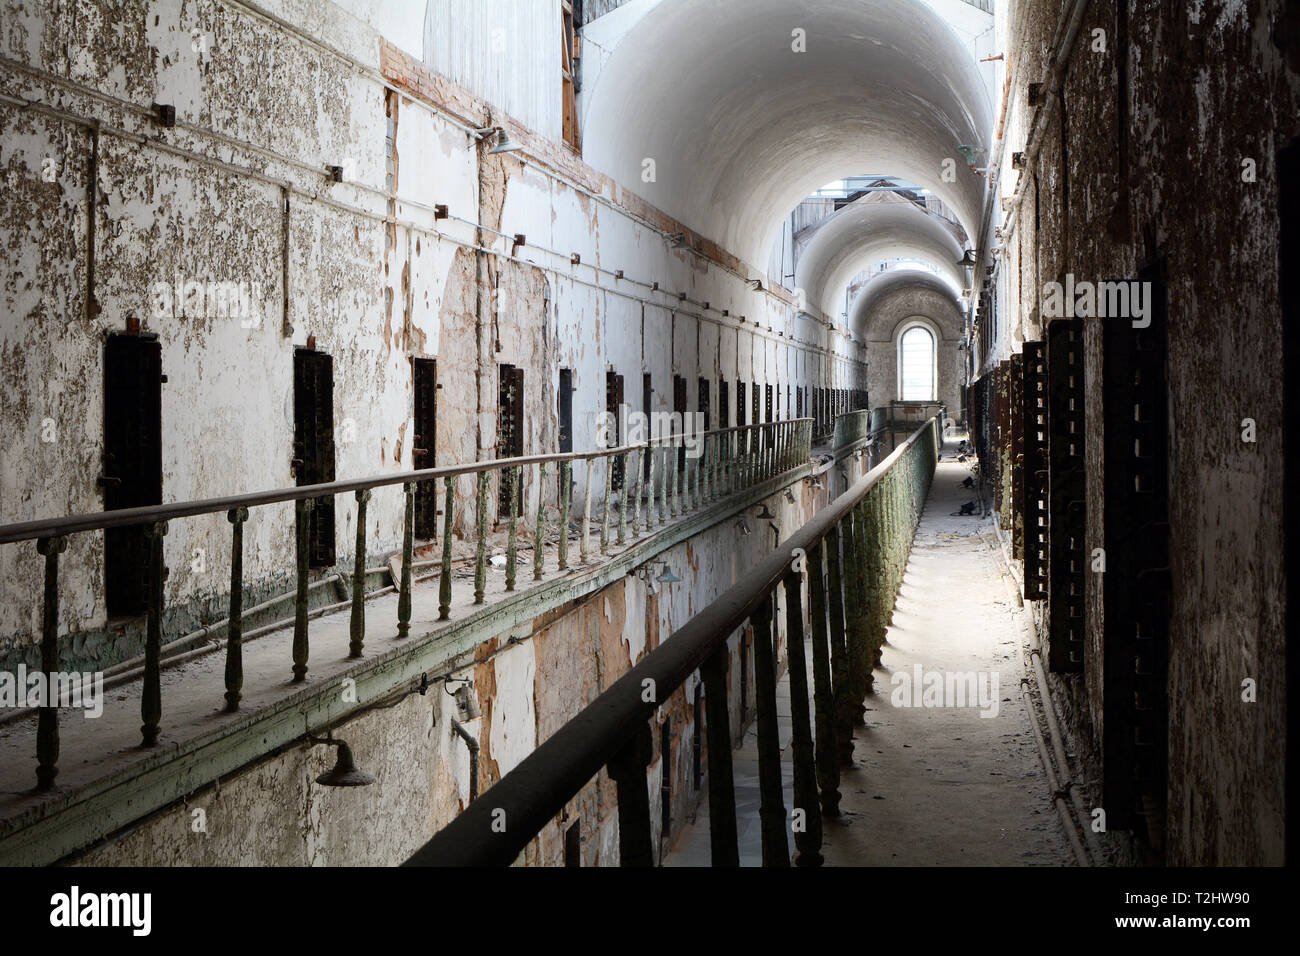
(741, 128)
(900, 293)
(878, 227)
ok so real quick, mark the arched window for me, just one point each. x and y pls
(916, 365)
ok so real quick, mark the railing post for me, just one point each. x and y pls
(771, 810)
(444, 572)
(408, 557)
(539, 542)
(623, 499)
(512, 535)
(235, 620)
(627, 768)
(47, 720)
(151, 693)
(855, 614)
(670, 479)
(566, 467)
(357, 625)
(807, 840)
(586, 511)
(828, 766)
(609, 504)
(480, 547)
(839, 654)
(650, 486)
(722, 787)
(302, 532)
(872, 579)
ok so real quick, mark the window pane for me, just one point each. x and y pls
(916, 356)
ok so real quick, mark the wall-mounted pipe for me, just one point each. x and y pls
(472, 746)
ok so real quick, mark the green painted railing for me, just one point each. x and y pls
(848, 560)
(662, 484)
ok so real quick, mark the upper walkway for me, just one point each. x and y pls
(928, 785)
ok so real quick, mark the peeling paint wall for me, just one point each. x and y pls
(529, 684)
(1124, 179)
(262, 110)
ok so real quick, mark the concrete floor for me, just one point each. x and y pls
(929, 785)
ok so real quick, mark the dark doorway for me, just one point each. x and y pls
(313, 445)
(510, 431)
(647, 398)
(565, 409)
(424, 378)
(724, 404)
(614, 405)
(706, 403)
(679, 407)
(132, 473)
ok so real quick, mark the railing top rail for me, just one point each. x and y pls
(540, 785)
(124, 517)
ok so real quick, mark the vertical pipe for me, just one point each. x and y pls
(480, 547)
(47, 720)
(828, 765)
(650, 486)
(627, 768)
(151, 693)
(444, 572)
(235, 620)
(408, 557)
(357, 625)
(807, 839)
(771, 810)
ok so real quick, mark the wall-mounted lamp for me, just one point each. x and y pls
(675, 239)
(345, 772)
(466, 700)
(743, 526)
(789, 496)
(504, 144)
(765, 514)
(666, 575)
(757, 284)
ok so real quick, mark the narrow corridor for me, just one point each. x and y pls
(929, 785)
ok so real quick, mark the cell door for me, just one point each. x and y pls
(647, 398)
(132, 473)
(313, 445)
(510, 431)
(706, 404)
(613, 406)
(424, 376)
(679, 407)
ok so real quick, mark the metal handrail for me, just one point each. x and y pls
(732, 459)
(125, 517)
(867, 523)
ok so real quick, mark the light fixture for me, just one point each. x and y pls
(466, 700)
(504, 144)
(757, 284)
(675, 239)
(743, 525)
(765, 514)
(967, 261)
(666, 575)
(345, 772)
(789, 496)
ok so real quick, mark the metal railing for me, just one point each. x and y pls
(851, 556)
(656, 490)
